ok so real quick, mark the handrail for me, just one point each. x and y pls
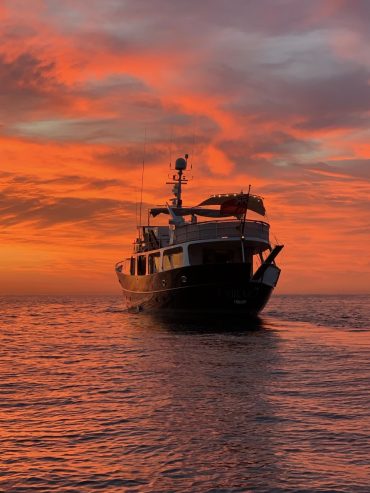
(121, 262)
(224, 221)
(256, 230)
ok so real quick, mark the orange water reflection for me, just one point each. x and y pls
(97, 398)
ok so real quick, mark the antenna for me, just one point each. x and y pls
(171, 136)
(178, 180)
(136, 206)
(142, 182)
(193, 143)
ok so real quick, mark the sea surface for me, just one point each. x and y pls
(96, 399)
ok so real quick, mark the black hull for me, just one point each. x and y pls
(223, 289)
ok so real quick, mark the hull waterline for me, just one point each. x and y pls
(223, 289)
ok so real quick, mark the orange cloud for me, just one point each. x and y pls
(251, 100)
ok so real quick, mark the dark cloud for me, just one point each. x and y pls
(349, 14)
(335, 101)
(354, 167)
(338, 101)
(268, 60)
(102, 184)
(342, 169)
(65, 180)
(120, 86)
(137, 26)
(280, 144)
(180, 21)
(27, 85)
(25, 73)
(132, 155)
(29, 199)
(45, 211)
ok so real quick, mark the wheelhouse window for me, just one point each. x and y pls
(215, 253)
(172, 259)
(132, 266)
(154, 261)
(141, 265)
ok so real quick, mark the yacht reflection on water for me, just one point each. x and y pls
(214, 381)
(203, 323)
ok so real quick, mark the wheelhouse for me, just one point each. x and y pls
(216, 252)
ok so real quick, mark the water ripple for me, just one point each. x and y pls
(94, 398)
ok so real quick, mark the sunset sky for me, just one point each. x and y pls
(272, 93)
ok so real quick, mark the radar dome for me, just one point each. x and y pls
(180, 163)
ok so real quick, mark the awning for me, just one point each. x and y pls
(189, 211)
(237, 202)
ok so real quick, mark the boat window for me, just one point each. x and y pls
(217, 256)
(172, 259)
(132, 266)
(141, 265)
(215, 253)
(154, 260)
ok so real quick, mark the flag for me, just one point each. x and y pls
(235, 206)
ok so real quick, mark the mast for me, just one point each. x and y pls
(178, 180)
(245, 213)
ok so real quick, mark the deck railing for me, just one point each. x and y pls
(254, 230)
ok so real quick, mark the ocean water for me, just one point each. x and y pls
(95, 399)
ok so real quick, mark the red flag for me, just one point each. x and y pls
(235, 206)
